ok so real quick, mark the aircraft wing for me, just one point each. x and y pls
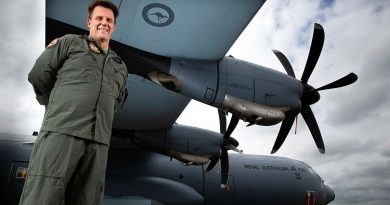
(195, 29)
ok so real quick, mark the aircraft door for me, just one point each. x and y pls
(17, 176)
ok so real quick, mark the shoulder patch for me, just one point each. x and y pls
(117, 60)
(53, 43)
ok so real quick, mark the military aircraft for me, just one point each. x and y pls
(175, 52)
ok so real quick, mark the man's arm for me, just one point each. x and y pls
(44, 72)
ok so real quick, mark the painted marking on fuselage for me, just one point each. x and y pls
(274, 168)
(298, 175)
(158, 15)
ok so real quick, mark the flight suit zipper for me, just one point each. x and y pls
(100, 92)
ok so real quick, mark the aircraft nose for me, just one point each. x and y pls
(329, 194)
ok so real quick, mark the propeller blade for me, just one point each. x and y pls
(344, 81)
(232, 125)
(222, 121)
(214, 160)
(224, 168)
(286, 64)
(311, 122)
(315, 51)
(283, 132)
(230, 141)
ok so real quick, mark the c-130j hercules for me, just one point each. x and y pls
(175, 52)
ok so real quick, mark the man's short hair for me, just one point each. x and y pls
(105, 4)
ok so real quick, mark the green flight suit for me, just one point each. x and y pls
(81, 86)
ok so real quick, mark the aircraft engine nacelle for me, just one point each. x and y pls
(253, 93)
(187, 144)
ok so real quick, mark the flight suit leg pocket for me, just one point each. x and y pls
(37, 147)
(44, 165)
(40, 189)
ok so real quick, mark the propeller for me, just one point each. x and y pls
(229, 143)
(310, 95)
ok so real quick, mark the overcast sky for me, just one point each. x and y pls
(352, 119)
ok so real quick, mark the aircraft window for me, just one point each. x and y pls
(312, 171)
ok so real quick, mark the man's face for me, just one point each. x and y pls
(101, 24)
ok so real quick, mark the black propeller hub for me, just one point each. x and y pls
(230, 141)
(310, 95)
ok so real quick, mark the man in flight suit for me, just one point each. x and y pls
(81, 82)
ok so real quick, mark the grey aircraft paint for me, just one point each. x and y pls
(181, 38)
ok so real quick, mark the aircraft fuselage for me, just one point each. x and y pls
(135, 174)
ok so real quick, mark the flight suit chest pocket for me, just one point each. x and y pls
(81, 66)
(116, 75)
